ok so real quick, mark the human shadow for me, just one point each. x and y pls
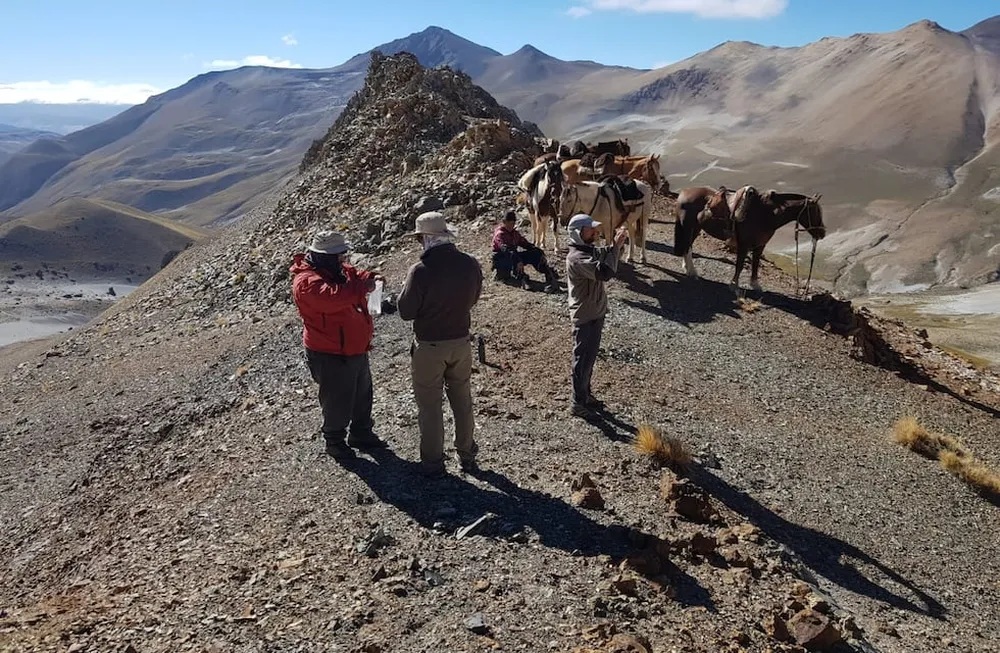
(613, 427)
(822, 553)
(519, 514)
(684, 300)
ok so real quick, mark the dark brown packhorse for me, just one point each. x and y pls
(759, 215)
(749, 217)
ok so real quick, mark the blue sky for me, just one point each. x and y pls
(117, 50)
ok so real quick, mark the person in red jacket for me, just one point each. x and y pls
(337, 330)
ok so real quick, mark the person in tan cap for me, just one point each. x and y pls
(331, 296)
(438, 296)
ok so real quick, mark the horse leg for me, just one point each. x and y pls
(757, 253)
(741, 258)
(643, 227)
(692, 232)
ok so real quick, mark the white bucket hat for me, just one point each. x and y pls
(431, 223)
(329, 242)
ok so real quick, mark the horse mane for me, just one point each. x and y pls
(774, 197)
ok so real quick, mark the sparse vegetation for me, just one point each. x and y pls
(951, 453)
(748, 305)
(666, 451)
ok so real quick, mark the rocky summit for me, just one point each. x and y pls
(165, 487)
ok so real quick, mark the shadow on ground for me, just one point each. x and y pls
(683, 300)
(824, 554)
(514, 513)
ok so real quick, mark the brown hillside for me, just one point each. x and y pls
(91, 236)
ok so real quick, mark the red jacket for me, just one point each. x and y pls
(335, 317)
(511, 239)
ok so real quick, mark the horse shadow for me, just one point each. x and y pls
(684, 300)
(663, 248)
(819, 317)
(822, 553)
(512, 512)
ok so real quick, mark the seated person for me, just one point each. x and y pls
(509, 262)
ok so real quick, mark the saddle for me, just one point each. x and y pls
(596, 162)
(624, 186)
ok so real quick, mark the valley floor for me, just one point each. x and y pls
(31, 309)
(166, 488)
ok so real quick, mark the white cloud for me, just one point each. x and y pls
(289, 39)
(76, 91)
(578, 12)
(700, 8)
(252, 60)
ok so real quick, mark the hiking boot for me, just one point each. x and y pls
(468, 465)
(580, 410)
(433, 470)
(594, 403)
(339, 450)
(367, 441)
(500, 276)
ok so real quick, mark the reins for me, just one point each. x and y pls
(812, 256)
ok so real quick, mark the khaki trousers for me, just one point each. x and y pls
(436, 366)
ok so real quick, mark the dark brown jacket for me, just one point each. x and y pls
(439, 294)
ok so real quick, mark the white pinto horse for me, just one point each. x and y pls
(601, 201)
(542, 186)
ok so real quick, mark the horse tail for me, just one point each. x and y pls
(681, 245)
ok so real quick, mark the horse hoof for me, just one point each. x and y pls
(755, 285)
(734, 287)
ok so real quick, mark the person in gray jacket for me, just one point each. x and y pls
(587, 269)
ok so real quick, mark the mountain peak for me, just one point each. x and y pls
(433, 46)
(924, 25)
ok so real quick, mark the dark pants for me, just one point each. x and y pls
(345, 394)
(506, 262)
(586, 343)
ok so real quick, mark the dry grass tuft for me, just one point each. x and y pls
(973, 472)
(952, 455)
(748, 305)
(909, 433)
(669, 451)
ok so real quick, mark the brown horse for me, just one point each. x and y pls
(689, 212)
(757, 216)
(641, 168)
(744, 216)
(618, 148)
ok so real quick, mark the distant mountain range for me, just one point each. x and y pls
(899, 131)
(57, 118)
(13, 139)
